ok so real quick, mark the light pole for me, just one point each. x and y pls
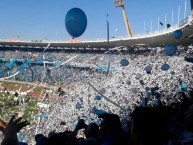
(191, 3)
(107, 32)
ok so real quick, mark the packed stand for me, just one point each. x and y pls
(132, 90)
(160, 125)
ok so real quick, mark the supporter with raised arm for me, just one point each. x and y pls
(91, 132)
(80, 125)
(111, 132)
(11, 129)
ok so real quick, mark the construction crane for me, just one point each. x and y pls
(120, 3)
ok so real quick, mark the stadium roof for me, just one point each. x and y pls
(155, 39)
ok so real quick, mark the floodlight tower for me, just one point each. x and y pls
(120, 3)
(191, 4)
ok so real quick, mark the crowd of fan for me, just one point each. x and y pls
(64, 74)
(165, 107)
(160, 125)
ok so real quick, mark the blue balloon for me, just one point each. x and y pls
(103, 90)
(165, 67)
(172, 73)
(98, 98)
(124, 62)
(75, 22)
(148, 69)
(126, 101)
(128, 82)
(138, 76)
(142, 82)
(170, 49)
(177, 34)
(147, 89)
(78, 105)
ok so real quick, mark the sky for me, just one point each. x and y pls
(45, 19)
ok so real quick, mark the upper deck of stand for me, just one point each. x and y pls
(154, 39)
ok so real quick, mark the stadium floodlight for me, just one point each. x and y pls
(120, 3)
